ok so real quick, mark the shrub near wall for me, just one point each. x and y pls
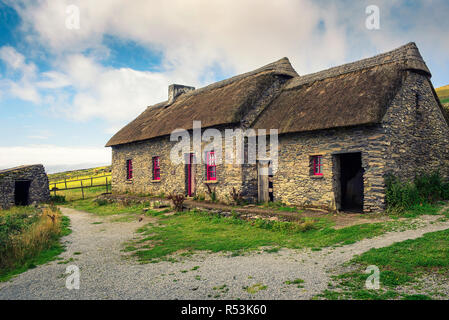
(424, 189)
(24, 233)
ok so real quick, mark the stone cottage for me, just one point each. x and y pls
(341, 131)
(23, 185)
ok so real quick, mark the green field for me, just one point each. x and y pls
(443, 94)
(79, 174)
(93, 177)
(402, 264)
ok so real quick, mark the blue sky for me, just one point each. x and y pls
(64, 91)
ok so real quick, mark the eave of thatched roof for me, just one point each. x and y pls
(224, 102)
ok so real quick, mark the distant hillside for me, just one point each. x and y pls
(443, 94)
(78, 174)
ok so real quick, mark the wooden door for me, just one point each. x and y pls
(263, 181)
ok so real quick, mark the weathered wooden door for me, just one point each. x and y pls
(262, 177)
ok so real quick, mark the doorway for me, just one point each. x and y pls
(265, 181)
(351, 182)
(22, 192)
(190, 174)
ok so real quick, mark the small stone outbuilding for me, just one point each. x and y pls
(341, 132)
(23, 186)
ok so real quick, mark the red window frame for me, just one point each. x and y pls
(211, 167)
(129, 169)
(156, 168)
(317, 165)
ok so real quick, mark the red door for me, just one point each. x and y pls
(190, 175)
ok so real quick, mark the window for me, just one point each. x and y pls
(211, 171)
(317, 162)
(129, 169)
(156, 168)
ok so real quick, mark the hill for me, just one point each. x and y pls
(79, 174)
(443, 94)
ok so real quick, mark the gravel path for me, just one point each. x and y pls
(105, 273)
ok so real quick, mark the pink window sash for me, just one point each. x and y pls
(211, 168)
(156, 169)
(129, 165)
(318, 165)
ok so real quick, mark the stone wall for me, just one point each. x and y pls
(38, 192)
(413, 136)
(294, 183)
(173, 176)
(418, 131)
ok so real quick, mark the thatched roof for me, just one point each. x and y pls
(220, 103)
(352, 94)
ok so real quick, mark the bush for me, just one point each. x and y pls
(25, 234)
(237, 197)
(178, 200)
(211, 192)
(101, 202)
(57, 199)
(425, 189)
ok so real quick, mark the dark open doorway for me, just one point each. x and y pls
(351, 182)
(22, 192)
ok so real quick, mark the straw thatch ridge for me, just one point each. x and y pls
(406, 57)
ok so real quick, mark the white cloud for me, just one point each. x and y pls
(50, 155)
(108, 93)
(15, 63)
(196, 39)
(53, 80)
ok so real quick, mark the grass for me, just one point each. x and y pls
(198, 231)
(281, 207)
(87, 182)
(400, 264)
(97, 175)
(100, 209)
(298, 282)
(255, 288)
(443, 92)
(29, 238)
(76, 194)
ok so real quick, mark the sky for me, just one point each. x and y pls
(72, 73)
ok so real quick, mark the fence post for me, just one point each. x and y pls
(54, 187)
(91, 181)
(65, 182)
(82, 190)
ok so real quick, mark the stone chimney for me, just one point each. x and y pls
(175, 90)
